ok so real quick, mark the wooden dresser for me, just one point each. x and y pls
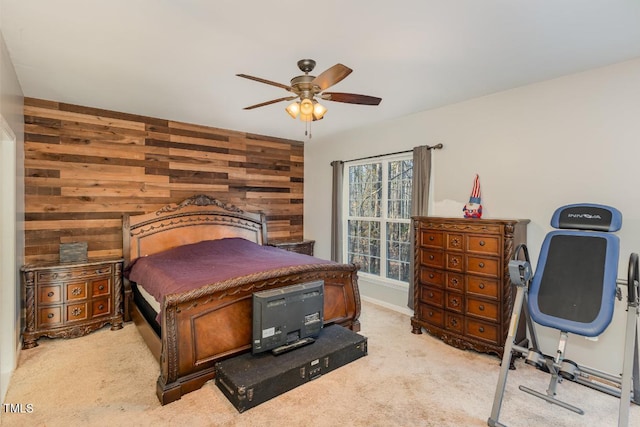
(463, 293)
(70, 300)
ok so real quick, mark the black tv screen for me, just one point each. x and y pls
(286, 316)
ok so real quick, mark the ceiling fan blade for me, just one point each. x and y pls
(273, 101)
(351, 98)
(331, 76)
(269, 82)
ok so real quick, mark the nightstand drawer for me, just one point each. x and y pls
(100, 307)
(77, 312)
(100, 287)
(73, 273)
(50, 316)
(76, 291)
(50, 294)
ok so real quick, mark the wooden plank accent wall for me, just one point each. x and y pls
(85, 167)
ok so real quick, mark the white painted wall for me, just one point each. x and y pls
(537, 147)
(12, 215)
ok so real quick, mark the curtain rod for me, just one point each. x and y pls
(433, 147)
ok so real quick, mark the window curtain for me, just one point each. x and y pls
(419, 201)
(336, 211)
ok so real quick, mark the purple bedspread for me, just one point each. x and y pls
(192, 266)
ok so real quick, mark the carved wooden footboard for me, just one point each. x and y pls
(208, 324)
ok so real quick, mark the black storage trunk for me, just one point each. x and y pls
(248, 380)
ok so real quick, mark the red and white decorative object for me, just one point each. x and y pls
(473, 209)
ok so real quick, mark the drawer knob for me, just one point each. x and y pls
(481, 285)
(431, 314)
(454, 282)
(430, 294)
(455, 302)
(481, 265)
(481, 307)
(431, 275)
(431, 257)
(101, 287)
(481, 329)
(431, 238)
(50, 294)
(101, 307)
(454, 321)
(50, 316)
(76, 291)
(76, 311)
(482, 243)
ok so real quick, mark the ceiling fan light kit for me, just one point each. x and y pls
(307, 87)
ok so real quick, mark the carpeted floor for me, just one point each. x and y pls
(108, 379)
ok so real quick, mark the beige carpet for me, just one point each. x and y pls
(108, 379)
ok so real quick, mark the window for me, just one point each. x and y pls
(378, 217)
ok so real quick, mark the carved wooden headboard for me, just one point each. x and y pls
(195, 219)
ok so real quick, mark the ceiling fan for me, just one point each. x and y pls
(308, 88)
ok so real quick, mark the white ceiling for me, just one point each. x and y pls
(177, 59)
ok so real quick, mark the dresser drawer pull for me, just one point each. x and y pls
(101, 307)
(481, 307)
(431, 257)
(481, 265)
(431, 238)
(430, 294)
(481, 329)
(431, 314)
(100, 271)
(455, 302)
(101, 287)
(76, 291)
(76, 311)
(50, 316)
(431, 276)
(481, 285)
(482, 243)
(50, 294)
(454, 282)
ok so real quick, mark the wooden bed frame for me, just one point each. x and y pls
(206, 325)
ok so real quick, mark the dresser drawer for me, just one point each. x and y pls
(484, 266)
(482, 286)
(455, 241)
(454, 322)
(432, 315)
(489, 245)
(76, 291)
(51, 294)
(432, 276)
(73, 273)
(50, 316)
(431, 239)
(432, 258)
(481, 308)
(455, 282)
(432, 296)
(455, 262)
(454, 301)
(482, 330)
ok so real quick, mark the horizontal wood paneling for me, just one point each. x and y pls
(85, 167)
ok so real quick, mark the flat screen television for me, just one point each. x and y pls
(287, 318)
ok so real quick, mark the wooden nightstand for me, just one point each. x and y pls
(72, 299)
(301, 247)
